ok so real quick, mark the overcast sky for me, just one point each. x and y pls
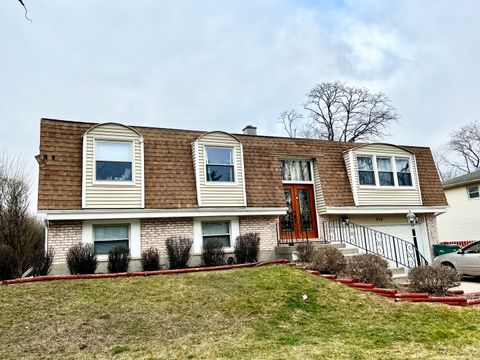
(211, 65)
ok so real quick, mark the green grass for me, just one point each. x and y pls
(256, 313)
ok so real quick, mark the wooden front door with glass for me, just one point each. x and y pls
(300, 220)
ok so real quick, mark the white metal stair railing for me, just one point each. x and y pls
(390, 247)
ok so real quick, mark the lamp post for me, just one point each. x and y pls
(412, 220)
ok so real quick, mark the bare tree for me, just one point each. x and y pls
(26, 11)
(19, 229)
(289, 119)
(344, 113)
(461, 155)
(444, 168)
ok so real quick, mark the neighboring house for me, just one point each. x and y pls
(461, 223)
(111, 184)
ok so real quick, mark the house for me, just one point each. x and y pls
(460, 224)
(112, 184)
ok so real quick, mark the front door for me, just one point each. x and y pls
(300, 222)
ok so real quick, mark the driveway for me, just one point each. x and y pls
(469, 285)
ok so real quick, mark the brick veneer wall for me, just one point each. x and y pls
(154, 232)
(61, 236)
(432, 231)
(266, 226)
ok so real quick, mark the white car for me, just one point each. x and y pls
(466, 260)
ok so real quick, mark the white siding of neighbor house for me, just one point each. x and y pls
(211, 194)
(461, 220)
(381, 195)
(107, 194)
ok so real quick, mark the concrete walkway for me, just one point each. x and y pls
(469, 285)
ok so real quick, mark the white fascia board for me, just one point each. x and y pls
(343, 210)
(98, 214)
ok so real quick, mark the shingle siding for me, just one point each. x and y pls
(169, 168)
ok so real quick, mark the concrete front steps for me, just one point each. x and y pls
(399, 274)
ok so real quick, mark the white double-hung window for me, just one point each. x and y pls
(113, 161)
(404, 177)
(106, 237)
(384, 171)
(366, 175)
(219, 230)
(219, 164)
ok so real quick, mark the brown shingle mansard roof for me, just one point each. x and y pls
(169, 174)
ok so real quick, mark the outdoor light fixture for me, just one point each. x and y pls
(412, 220)
(411, 217)
(346, 220)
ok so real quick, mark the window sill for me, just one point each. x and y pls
(113, 183)
(228, 251)
(384, 187)
(221, 183)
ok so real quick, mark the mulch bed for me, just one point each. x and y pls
(454, 297)
(140, 273)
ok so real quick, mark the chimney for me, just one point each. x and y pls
(250, 130)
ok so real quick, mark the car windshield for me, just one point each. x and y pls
(472, 248)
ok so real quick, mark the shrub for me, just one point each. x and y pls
(42, 261)
(435, 280)
(369, 269)
(305, 251)
(212, 252)
(150, 260)
(328, 260)
(81, 259)
(8, 263)
(247, 248)
(178, 250)
(118, 259)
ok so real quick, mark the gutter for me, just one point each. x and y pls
(104, 214)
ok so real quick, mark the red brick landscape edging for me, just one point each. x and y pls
(412, 297)
(140, 273)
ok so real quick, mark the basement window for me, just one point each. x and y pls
(113, 161)
(106, 237)
(217, 230)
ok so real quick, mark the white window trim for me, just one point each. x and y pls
(198, 233)
(94, 165)
(394, 170)
(374, 169)
(310, 182)
(134, 241)
(468, 192)
(234, 160)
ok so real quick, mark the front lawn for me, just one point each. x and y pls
(256, 313)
